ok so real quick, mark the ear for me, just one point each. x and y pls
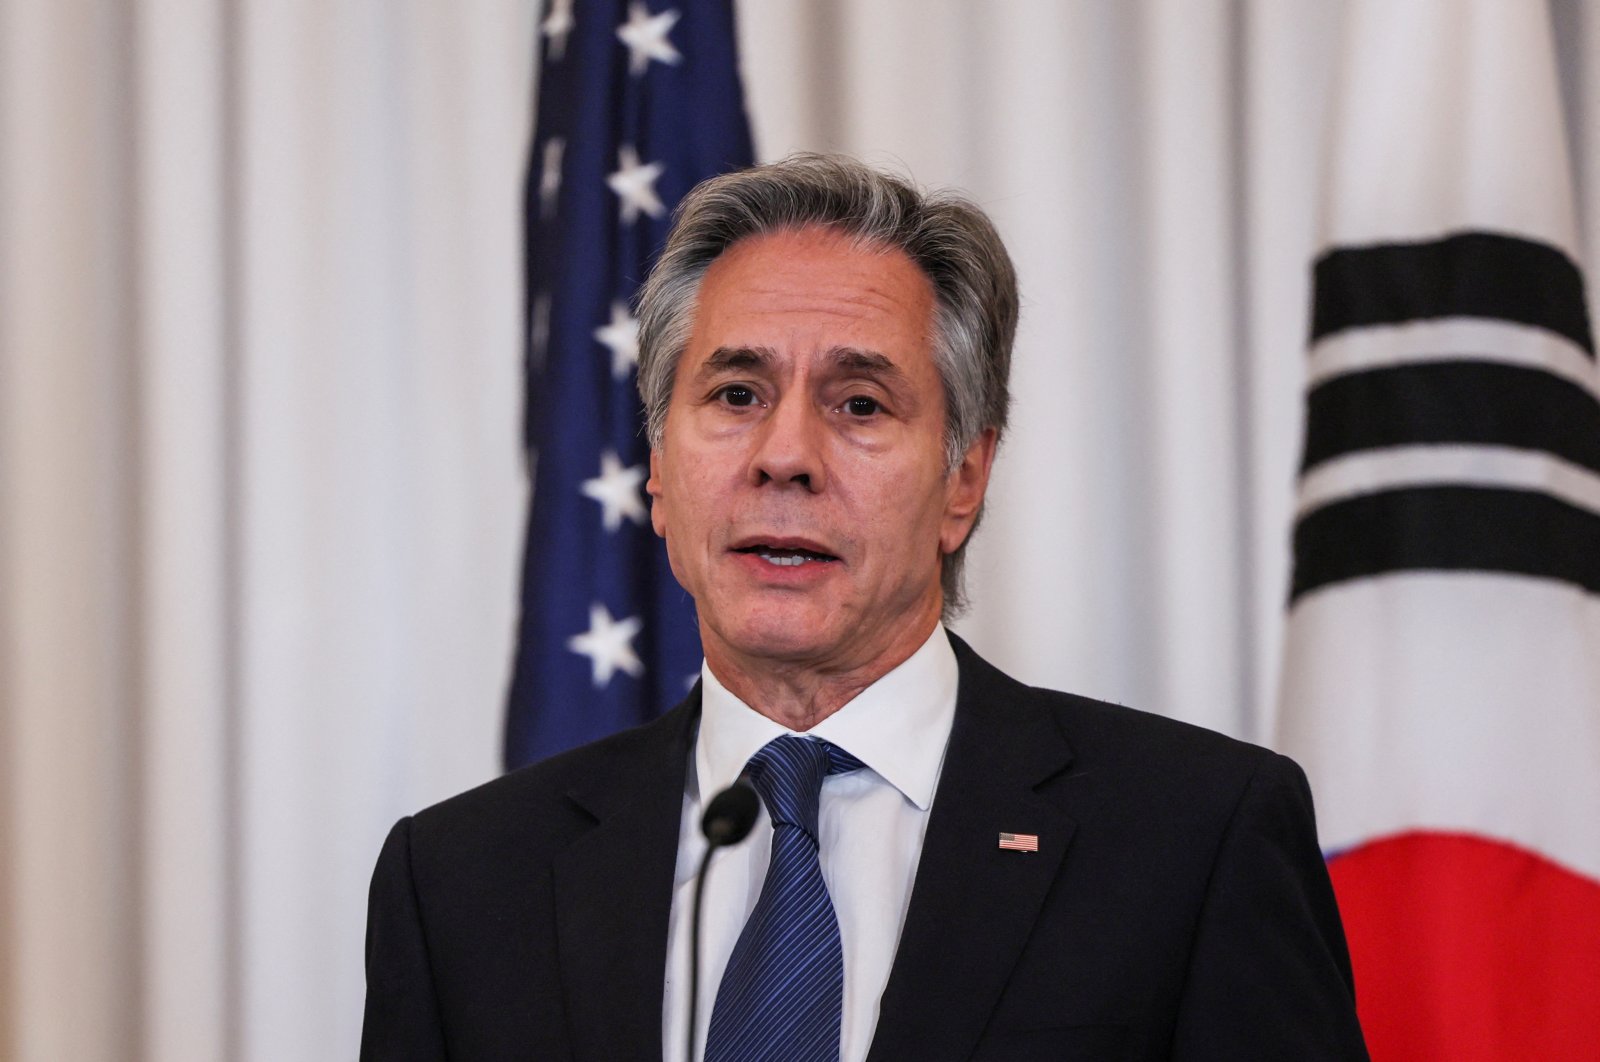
(658, 500)
(964, 490)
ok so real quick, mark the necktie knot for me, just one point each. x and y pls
(788, 773)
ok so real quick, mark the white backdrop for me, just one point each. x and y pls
(260, 491)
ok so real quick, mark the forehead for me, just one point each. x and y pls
(814, 287)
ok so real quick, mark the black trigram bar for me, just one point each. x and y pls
(1470, 274)
(1469, 402)
(1447, 529)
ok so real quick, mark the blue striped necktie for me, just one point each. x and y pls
(782, 993)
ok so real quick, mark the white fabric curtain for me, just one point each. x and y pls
(260, 487)
(261, 495)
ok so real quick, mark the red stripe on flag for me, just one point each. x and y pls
(1470, 949)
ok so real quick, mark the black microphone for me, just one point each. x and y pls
(730, 815)
(727, 820)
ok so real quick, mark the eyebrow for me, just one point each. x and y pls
(746, 359)
(867, 362)
(731, 359)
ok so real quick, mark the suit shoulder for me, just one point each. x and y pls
(1115, 730)
(1111, 747)
(1110, 732)
(1176, 770)
(541, 795)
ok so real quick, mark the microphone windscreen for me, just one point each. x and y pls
(730, 814)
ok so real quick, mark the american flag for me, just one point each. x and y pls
(1019, 842)
(637, 102)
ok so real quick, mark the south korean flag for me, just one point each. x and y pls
(1442, 671)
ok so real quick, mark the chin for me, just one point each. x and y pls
(786, 635)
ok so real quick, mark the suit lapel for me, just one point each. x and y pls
(613, 893)
(973, 905)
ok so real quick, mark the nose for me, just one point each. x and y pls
(789, 446)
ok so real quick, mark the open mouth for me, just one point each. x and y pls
(787, 558)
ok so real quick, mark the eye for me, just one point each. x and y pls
(861, 406)
(737, 395)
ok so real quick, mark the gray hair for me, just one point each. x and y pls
(946, 235)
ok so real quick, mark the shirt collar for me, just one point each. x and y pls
(898, 726)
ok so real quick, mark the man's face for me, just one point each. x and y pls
(801, 483)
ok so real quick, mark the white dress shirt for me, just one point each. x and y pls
(871, 824)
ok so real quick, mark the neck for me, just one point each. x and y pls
(800, 694)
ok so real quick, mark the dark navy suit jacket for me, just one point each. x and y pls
(1178, 906)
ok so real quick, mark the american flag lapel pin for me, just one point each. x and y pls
(1019, 842)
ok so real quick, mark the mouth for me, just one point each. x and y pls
(786, 554)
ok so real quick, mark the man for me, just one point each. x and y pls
(948, 864)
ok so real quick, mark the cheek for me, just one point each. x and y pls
(903, 513)
(695, 501)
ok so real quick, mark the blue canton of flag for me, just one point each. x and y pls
(637, 103)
